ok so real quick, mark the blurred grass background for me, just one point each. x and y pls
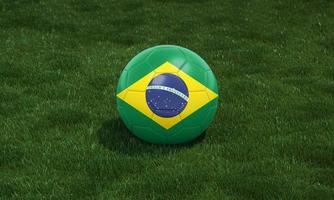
(60, 135)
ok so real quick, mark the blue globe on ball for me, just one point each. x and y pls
(167, 95)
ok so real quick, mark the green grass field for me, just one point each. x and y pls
(61, 136)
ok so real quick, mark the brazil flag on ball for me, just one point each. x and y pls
(167, 94)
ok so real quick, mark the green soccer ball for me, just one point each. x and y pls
(167, 95)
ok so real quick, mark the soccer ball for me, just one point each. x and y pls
(167, 95)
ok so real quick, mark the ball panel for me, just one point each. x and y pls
(164, 53)
(126, 110)
(139, 58)
(209, 113)
(122, 82)
(158, 129)
(185, 134)
(199, 69)
(147, 134)
(194, 58)
(199, 116)
(137, 117)
(140, 125)
(211, 81)
(122, 110)
(200, 119)
(138, 71)
(195, 71)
